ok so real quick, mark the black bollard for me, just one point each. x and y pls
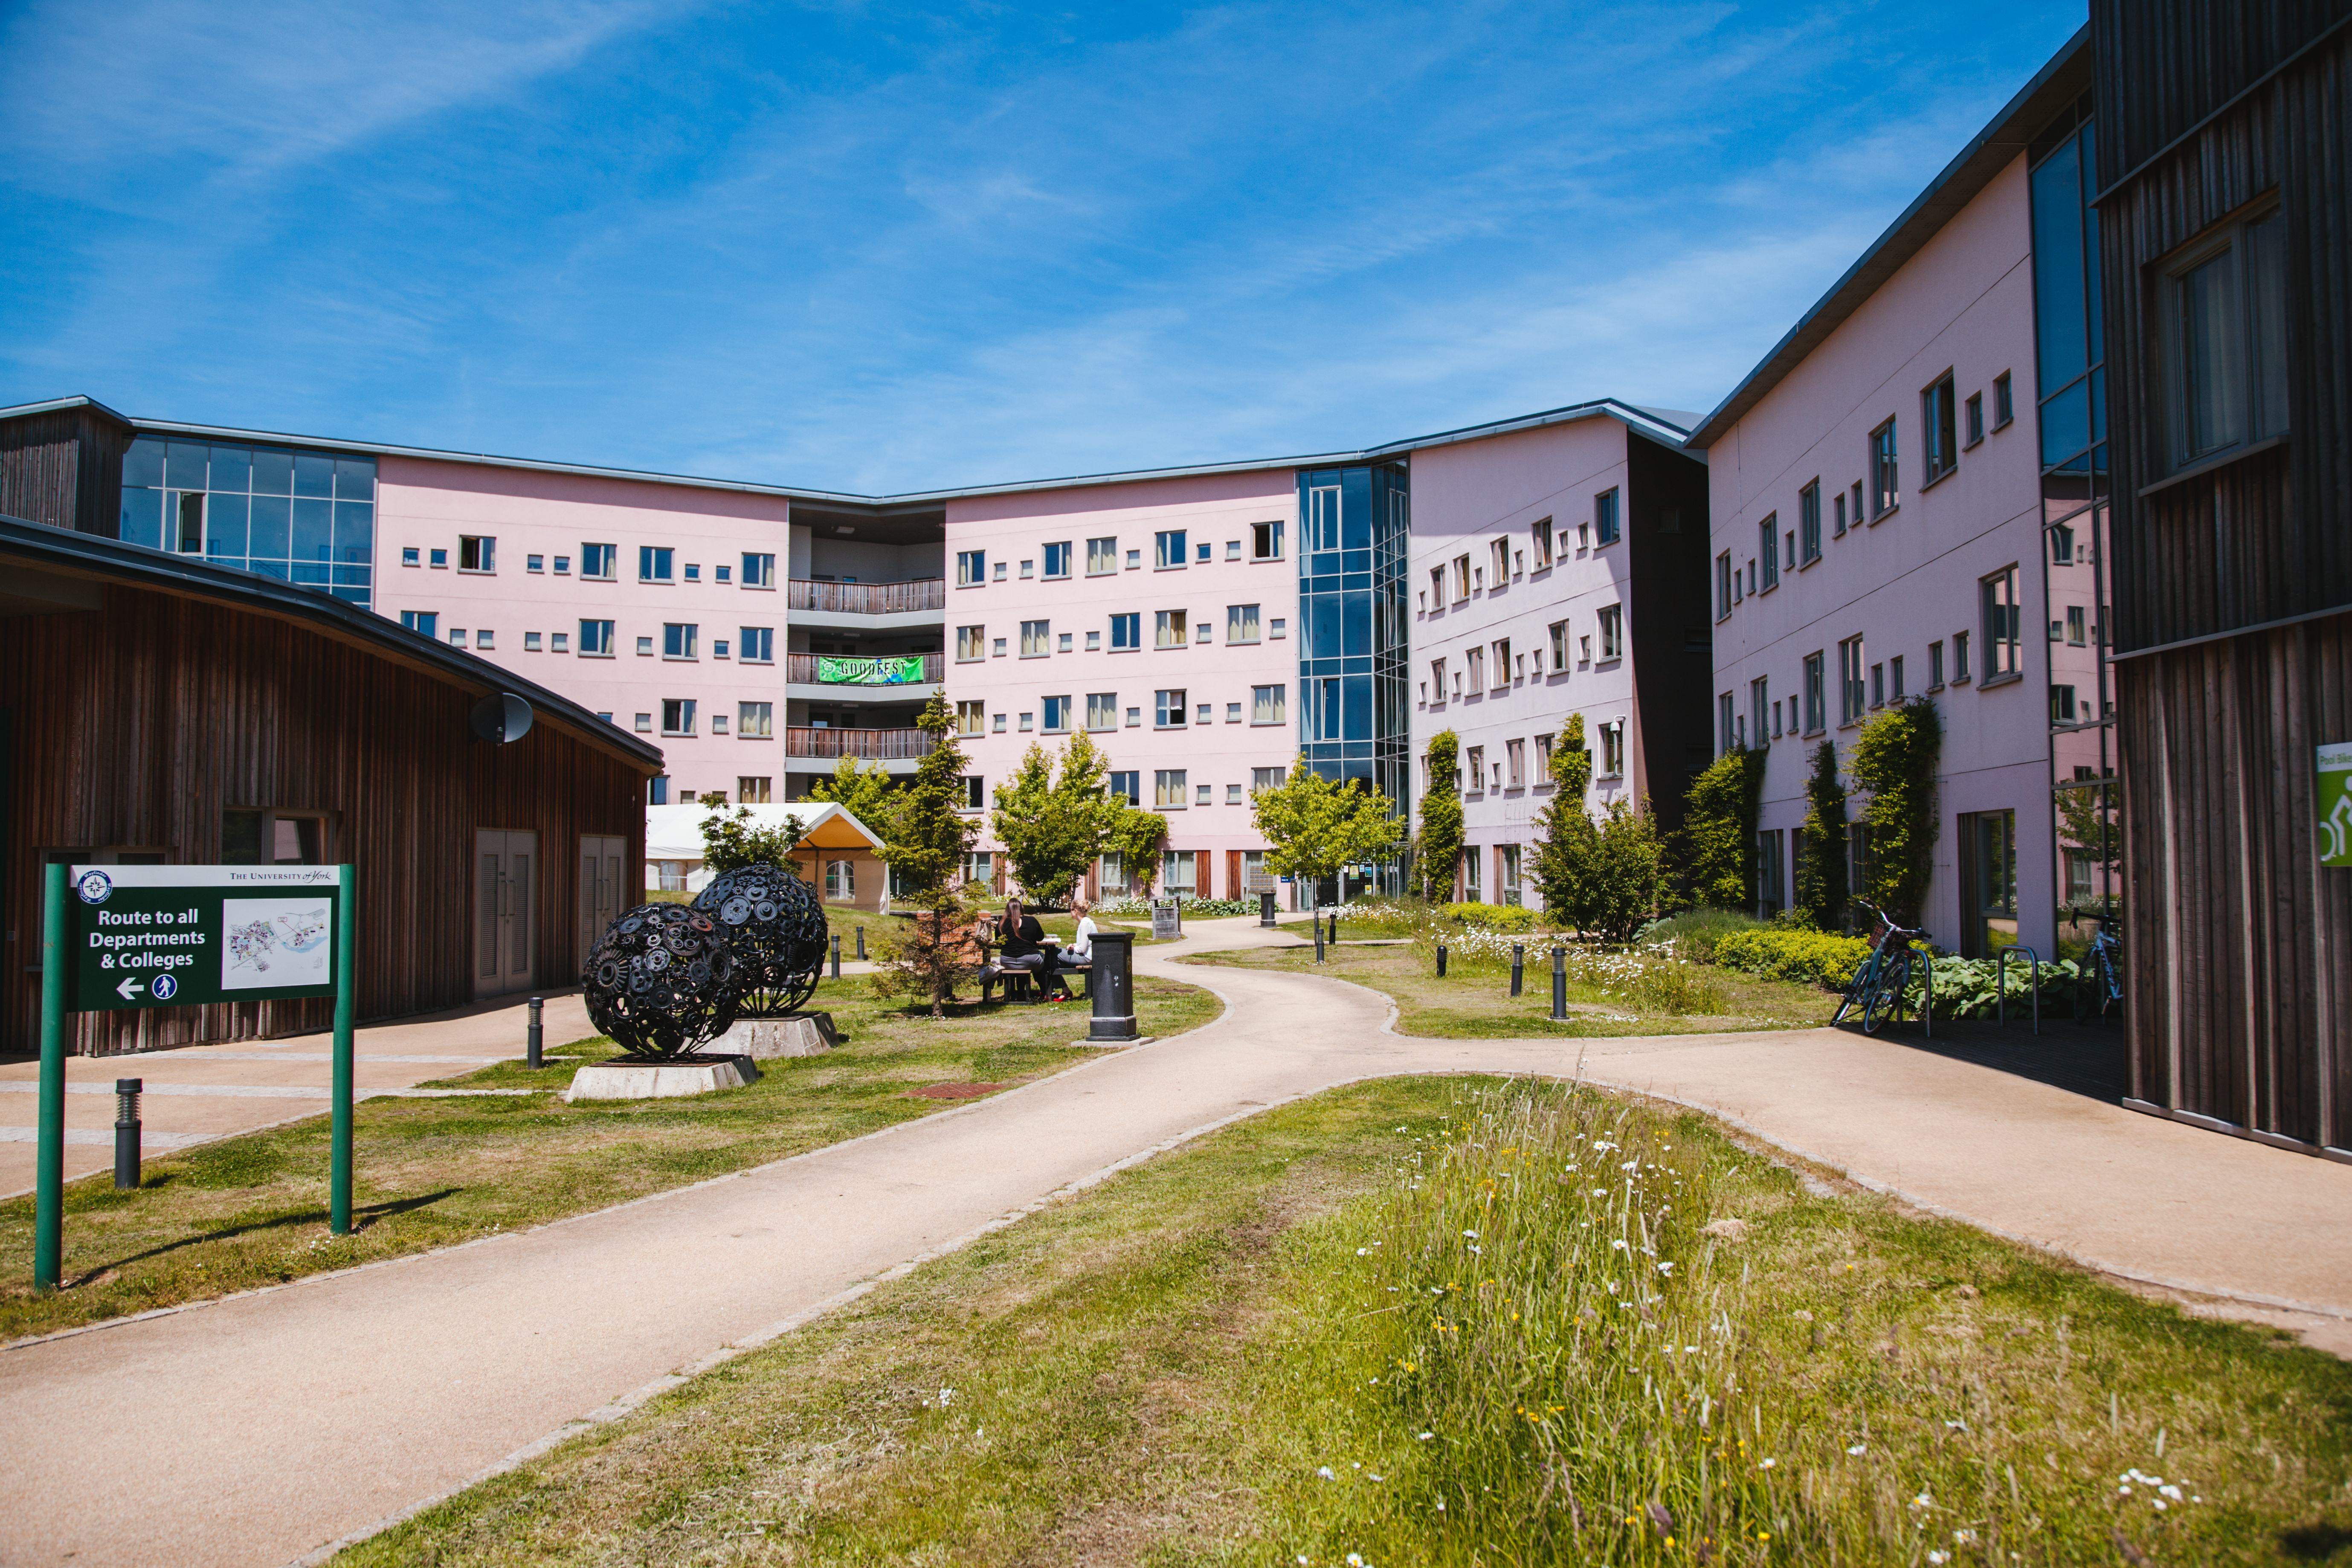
(1110, 988)
(1519, 964)
(1334, 928)
(836, 955)
(1316, 921)
(126, 1131)
(1441, 960)
(1560, 984)
(861, 944)
(533, 1036)
(1265, 909)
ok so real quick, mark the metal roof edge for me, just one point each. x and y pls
(1953, 188)
(54, 404)
(138, 565)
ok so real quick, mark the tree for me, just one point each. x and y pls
(865, 792)
(925, 844)
(1566, 836)
(1718, 836)
(1136, 836)
(1316, 825)
(1821, 855)
(730, 843)
(1624, 882)
(1438, 853)
(1895, 758)
(1052, 828)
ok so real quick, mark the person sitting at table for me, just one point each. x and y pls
(1023, 944)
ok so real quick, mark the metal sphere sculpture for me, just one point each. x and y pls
(661, 980)
(775, 927)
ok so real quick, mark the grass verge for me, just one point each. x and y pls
(251, 1211)
(1474, 1000)
(1455, 1321)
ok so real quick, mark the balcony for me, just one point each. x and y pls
(921, 595)
(878, 675)
(879, 745)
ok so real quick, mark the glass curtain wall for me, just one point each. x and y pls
(2071, 353)
(1355, 525)
(299, 516)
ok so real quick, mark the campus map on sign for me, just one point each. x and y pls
(173, 936)
(273, 942)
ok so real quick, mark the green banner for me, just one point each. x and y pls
(176, 936)
(835, 671)
(2334, 797)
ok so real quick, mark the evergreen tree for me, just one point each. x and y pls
(1625, 887)
(1718, 836)
(1820, 858)
(1052, 828)
(1317, 826)
(925, 846)
(865, 792)
(1566, 836)
(1438, 852)
(1895, 759)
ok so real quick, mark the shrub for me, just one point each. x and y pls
(1821, 848)
(1696, 931)
(1439, 851)
(1205, 909)
(1495, 917)
(1717, 841)
(1896, 759)
(1779, 953)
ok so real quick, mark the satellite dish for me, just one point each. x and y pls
(501, 717)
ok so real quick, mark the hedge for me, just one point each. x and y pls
(1780, 954)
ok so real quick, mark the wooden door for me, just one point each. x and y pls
(506, 913)
(603, 858)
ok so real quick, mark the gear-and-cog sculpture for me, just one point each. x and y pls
(775, 929)
(661, 980)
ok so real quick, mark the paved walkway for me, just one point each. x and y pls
(255, 1430)
(197, 1093)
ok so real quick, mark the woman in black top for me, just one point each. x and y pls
(1023, 944)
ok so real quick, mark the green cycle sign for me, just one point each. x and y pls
(2335, 802)
(176, 936)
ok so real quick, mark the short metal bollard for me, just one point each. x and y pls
(1560, 984)
(861, 944)
(2033, 972)
(1519, 964)
(1441, 960)
(126, 1131)
(836, 955)
(1316, 921)
(1334, 928)
(1266, 911)
(533, 1035)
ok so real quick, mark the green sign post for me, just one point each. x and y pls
(2335, 802)
(117, 937)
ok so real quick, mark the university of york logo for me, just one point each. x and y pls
(95, 887)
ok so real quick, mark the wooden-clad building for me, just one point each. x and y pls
(158, 709)
(2225, 138)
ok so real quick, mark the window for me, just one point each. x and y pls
(2061, 705)
(1058, 560)
(595, 639)
(694, 575)
(412, 556)
(1475, 661)
(679, 639)
(2004, 407)
(1895, 670)
(1168, 550)
(755, 721)
(1267, 705)
(1036, 639)
(1816, 709)
(1127, 631)
(530, 642)
(2224, 343)
(440, 558)
(1559, 630)
(1167, 709)
(1726, 735)
(1501, 551)
(1604, 517)
(427, 622)
(1878, 686)
(2078, 627)
(1461, 578)
(1853, 699)
(1241, 623)
(677, 715)
(1057, 715)
(476, 555)
(1760, 704)
(1507, 870)
(1612, 750)
(1772, 874)
(1437, 679)
(971, 718)
(1473, 770)
(1935, 667)
(1809, 523)
(1472, 890)
(1959, 658)
(1179, 868)
(1976, 418)
(971, 568)
(1102, 710)
(979, 865)
(1723, 585)
(1886, 485)
(1613, 631)
(644, 727)
(971, 644)
(654, 563)
(1938, 424)
(1126, 787)
(558, 642)
(597, 562)
(1515, 766)
(1170, 629)
(645, 648)
(1028, 722)
(1837, 515)
(1768, 548)
(1266, 541)
(1540, 536)
(2004, 628)
(1267, 778)
(1502, 664)
(1102, 557)
(1167, 788)
(534, 563)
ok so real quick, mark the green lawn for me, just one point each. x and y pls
(1456, 1321)
(251, 1210)
(1608, 996)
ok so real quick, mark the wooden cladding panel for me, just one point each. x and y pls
(138, 725)
(64, 469)
(2241, 997)
(2163, 65)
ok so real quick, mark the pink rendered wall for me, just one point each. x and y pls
(1964, 304)
(1216, 510)
(1466, 496)
(428, 503)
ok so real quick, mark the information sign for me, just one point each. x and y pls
(2334, 800)
(1166, 920)
(176, 936)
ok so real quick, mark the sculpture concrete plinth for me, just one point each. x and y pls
(796, 1034)
(663, 1080)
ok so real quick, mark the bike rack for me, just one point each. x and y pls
(2000, 1006)
(1927, 989)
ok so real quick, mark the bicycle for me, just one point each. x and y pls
(1884, 979)
(2105, 970)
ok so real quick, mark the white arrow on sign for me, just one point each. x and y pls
(129, 989)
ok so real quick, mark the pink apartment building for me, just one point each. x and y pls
(1552, 559)
(1883, 525)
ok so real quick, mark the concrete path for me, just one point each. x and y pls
(197, 1093)
(256, 1430)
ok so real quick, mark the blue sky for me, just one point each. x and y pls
(881, 249)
